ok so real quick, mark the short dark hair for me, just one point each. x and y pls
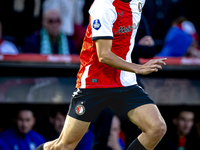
(181, 109)
(55, 109)
(22, 107)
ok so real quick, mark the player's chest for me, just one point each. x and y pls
(127, 20)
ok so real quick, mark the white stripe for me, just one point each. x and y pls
(84, 76)
(129, 78)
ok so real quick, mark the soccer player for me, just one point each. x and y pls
(107, 77)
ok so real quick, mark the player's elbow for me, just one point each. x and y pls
(104, 58)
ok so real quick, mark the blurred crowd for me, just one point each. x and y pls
(26, 129)
(58, 27)
(42, 26)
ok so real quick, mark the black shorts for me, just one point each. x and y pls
(86, 104)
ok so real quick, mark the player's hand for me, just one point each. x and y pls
(152, 66)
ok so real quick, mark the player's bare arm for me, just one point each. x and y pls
(106, 56)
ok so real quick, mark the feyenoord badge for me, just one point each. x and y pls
(80, 109)
(140, 6)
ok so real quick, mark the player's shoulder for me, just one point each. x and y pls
(103, 5)
(103, 2)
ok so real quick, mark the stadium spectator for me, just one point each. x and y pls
(114, 140)
(21, 136)
(71, 13)
(49, 40)
(72, 18)
(107, 132)
(6, 47)
(20, 18)
(182, 135)
(52, 126)
(181, 40)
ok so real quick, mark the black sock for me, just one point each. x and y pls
(40, 147)
(136, 145)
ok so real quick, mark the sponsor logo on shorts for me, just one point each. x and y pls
(96, 24)
(80, 109)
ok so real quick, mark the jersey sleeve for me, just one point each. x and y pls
(103, 16)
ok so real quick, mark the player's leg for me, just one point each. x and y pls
(71, 134)
(133, 102)
(149, 120)
(85, 105)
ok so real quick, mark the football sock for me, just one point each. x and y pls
(136, 145)
(40, 147)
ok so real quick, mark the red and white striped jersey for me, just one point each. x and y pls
(109, 19)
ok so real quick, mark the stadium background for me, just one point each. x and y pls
(47, 81)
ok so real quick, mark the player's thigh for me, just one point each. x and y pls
(146, 117)
(73, 131)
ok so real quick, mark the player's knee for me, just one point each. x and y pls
(159, 129)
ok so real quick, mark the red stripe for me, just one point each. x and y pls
(121, 41)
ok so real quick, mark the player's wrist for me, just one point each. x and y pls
(137, 68)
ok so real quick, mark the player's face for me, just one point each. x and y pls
(58, 122)
(52, 22)
(25, 121)
(185, 122)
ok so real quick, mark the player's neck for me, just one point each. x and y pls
(125, 0)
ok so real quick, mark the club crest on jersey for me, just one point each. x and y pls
(80, 109)
(96, 24)
(140, 6)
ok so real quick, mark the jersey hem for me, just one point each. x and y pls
(102, 37)
(103, 86)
